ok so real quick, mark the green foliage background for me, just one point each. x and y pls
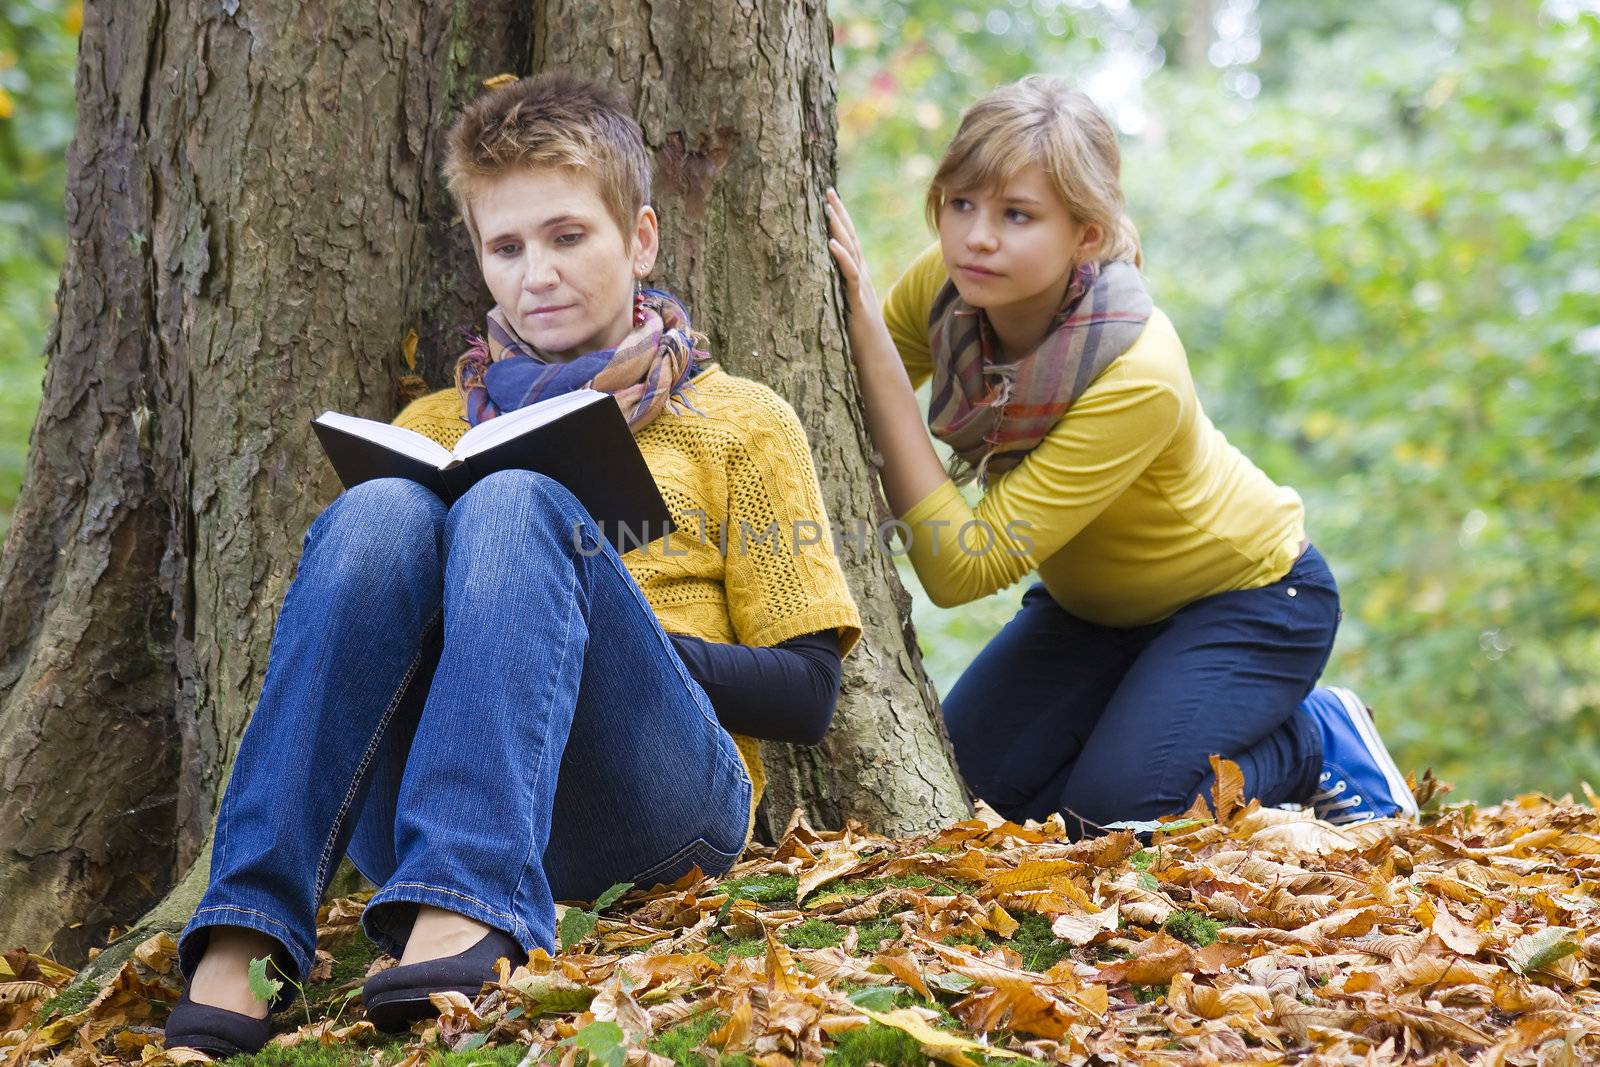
(1377, 228)
(38, 46)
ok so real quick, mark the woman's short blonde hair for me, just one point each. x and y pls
(554, 119)
(1042, 120)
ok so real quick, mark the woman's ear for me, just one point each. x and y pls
(646, 241)
(1090, 242)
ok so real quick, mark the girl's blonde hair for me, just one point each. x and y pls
(1042, 120)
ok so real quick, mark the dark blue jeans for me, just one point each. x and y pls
(1105, 724)
(479, 704)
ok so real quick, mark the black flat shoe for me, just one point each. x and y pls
(217, 1032)
(398, 997)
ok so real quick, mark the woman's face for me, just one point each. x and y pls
(1014, 246)
(555, 261)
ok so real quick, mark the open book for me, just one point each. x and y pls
(579, 438)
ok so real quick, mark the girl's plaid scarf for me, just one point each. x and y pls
(993, 414)
(648, 372)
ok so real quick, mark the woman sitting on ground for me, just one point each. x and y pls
(483, 704)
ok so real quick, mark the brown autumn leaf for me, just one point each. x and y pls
(830, 869)
(18, 992)
(1154, 962)
(1227, 788)
(940, 1044)
(1084, 928)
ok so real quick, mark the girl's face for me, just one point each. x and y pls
(1012, 247)
(556, 263)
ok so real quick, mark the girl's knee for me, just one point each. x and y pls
(1131, 793)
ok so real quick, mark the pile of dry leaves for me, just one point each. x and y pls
(1257, 936)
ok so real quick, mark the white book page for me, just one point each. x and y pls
(486, 435)
(396, 438)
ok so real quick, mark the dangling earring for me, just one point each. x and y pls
(638, 301)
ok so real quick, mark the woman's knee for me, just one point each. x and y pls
(521, 497)
(379, 525)
(396, 507)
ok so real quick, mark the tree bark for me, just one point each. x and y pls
(737, 104)
(257, 226)
(255, 218)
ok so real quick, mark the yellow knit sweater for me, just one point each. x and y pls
(1133, 506)
(744, 460)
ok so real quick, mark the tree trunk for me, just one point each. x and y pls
(737, 104)
(255, 217)
(257, 225)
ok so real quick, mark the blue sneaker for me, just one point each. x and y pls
(1359, 780)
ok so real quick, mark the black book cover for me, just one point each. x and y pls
(589, 449)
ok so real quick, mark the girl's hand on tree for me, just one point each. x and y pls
(846, 249)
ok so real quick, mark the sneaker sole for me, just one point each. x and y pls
(1356, 712)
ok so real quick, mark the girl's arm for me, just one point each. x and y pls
(911, 469)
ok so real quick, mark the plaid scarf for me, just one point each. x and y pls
(648, 372)
(992, 414)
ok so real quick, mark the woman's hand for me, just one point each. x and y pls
(846, 249)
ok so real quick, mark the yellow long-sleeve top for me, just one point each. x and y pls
(743, 459)
(1133, 506)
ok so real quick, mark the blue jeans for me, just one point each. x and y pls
(479, 704)
(1105, 723)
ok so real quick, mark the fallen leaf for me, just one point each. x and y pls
(940, 1044)
(1084, 928)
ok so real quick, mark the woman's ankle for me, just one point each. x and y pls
(437, 933)
(222, 978)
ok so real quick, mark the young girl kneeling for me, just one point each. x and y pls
(1180, 610)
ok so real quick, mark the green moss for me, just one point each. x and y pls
(350, 964)
(310, 1054)
(1193, 927)
(336, 996)
(1039, 948)
(1148, 994)
(813, 933)
(743, 948)
(762, 888)
(856, 888)
(498, 1056)
(69, 1001)
(679, 1044)
(876, 1043)
(978, 941)
(870, 936)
